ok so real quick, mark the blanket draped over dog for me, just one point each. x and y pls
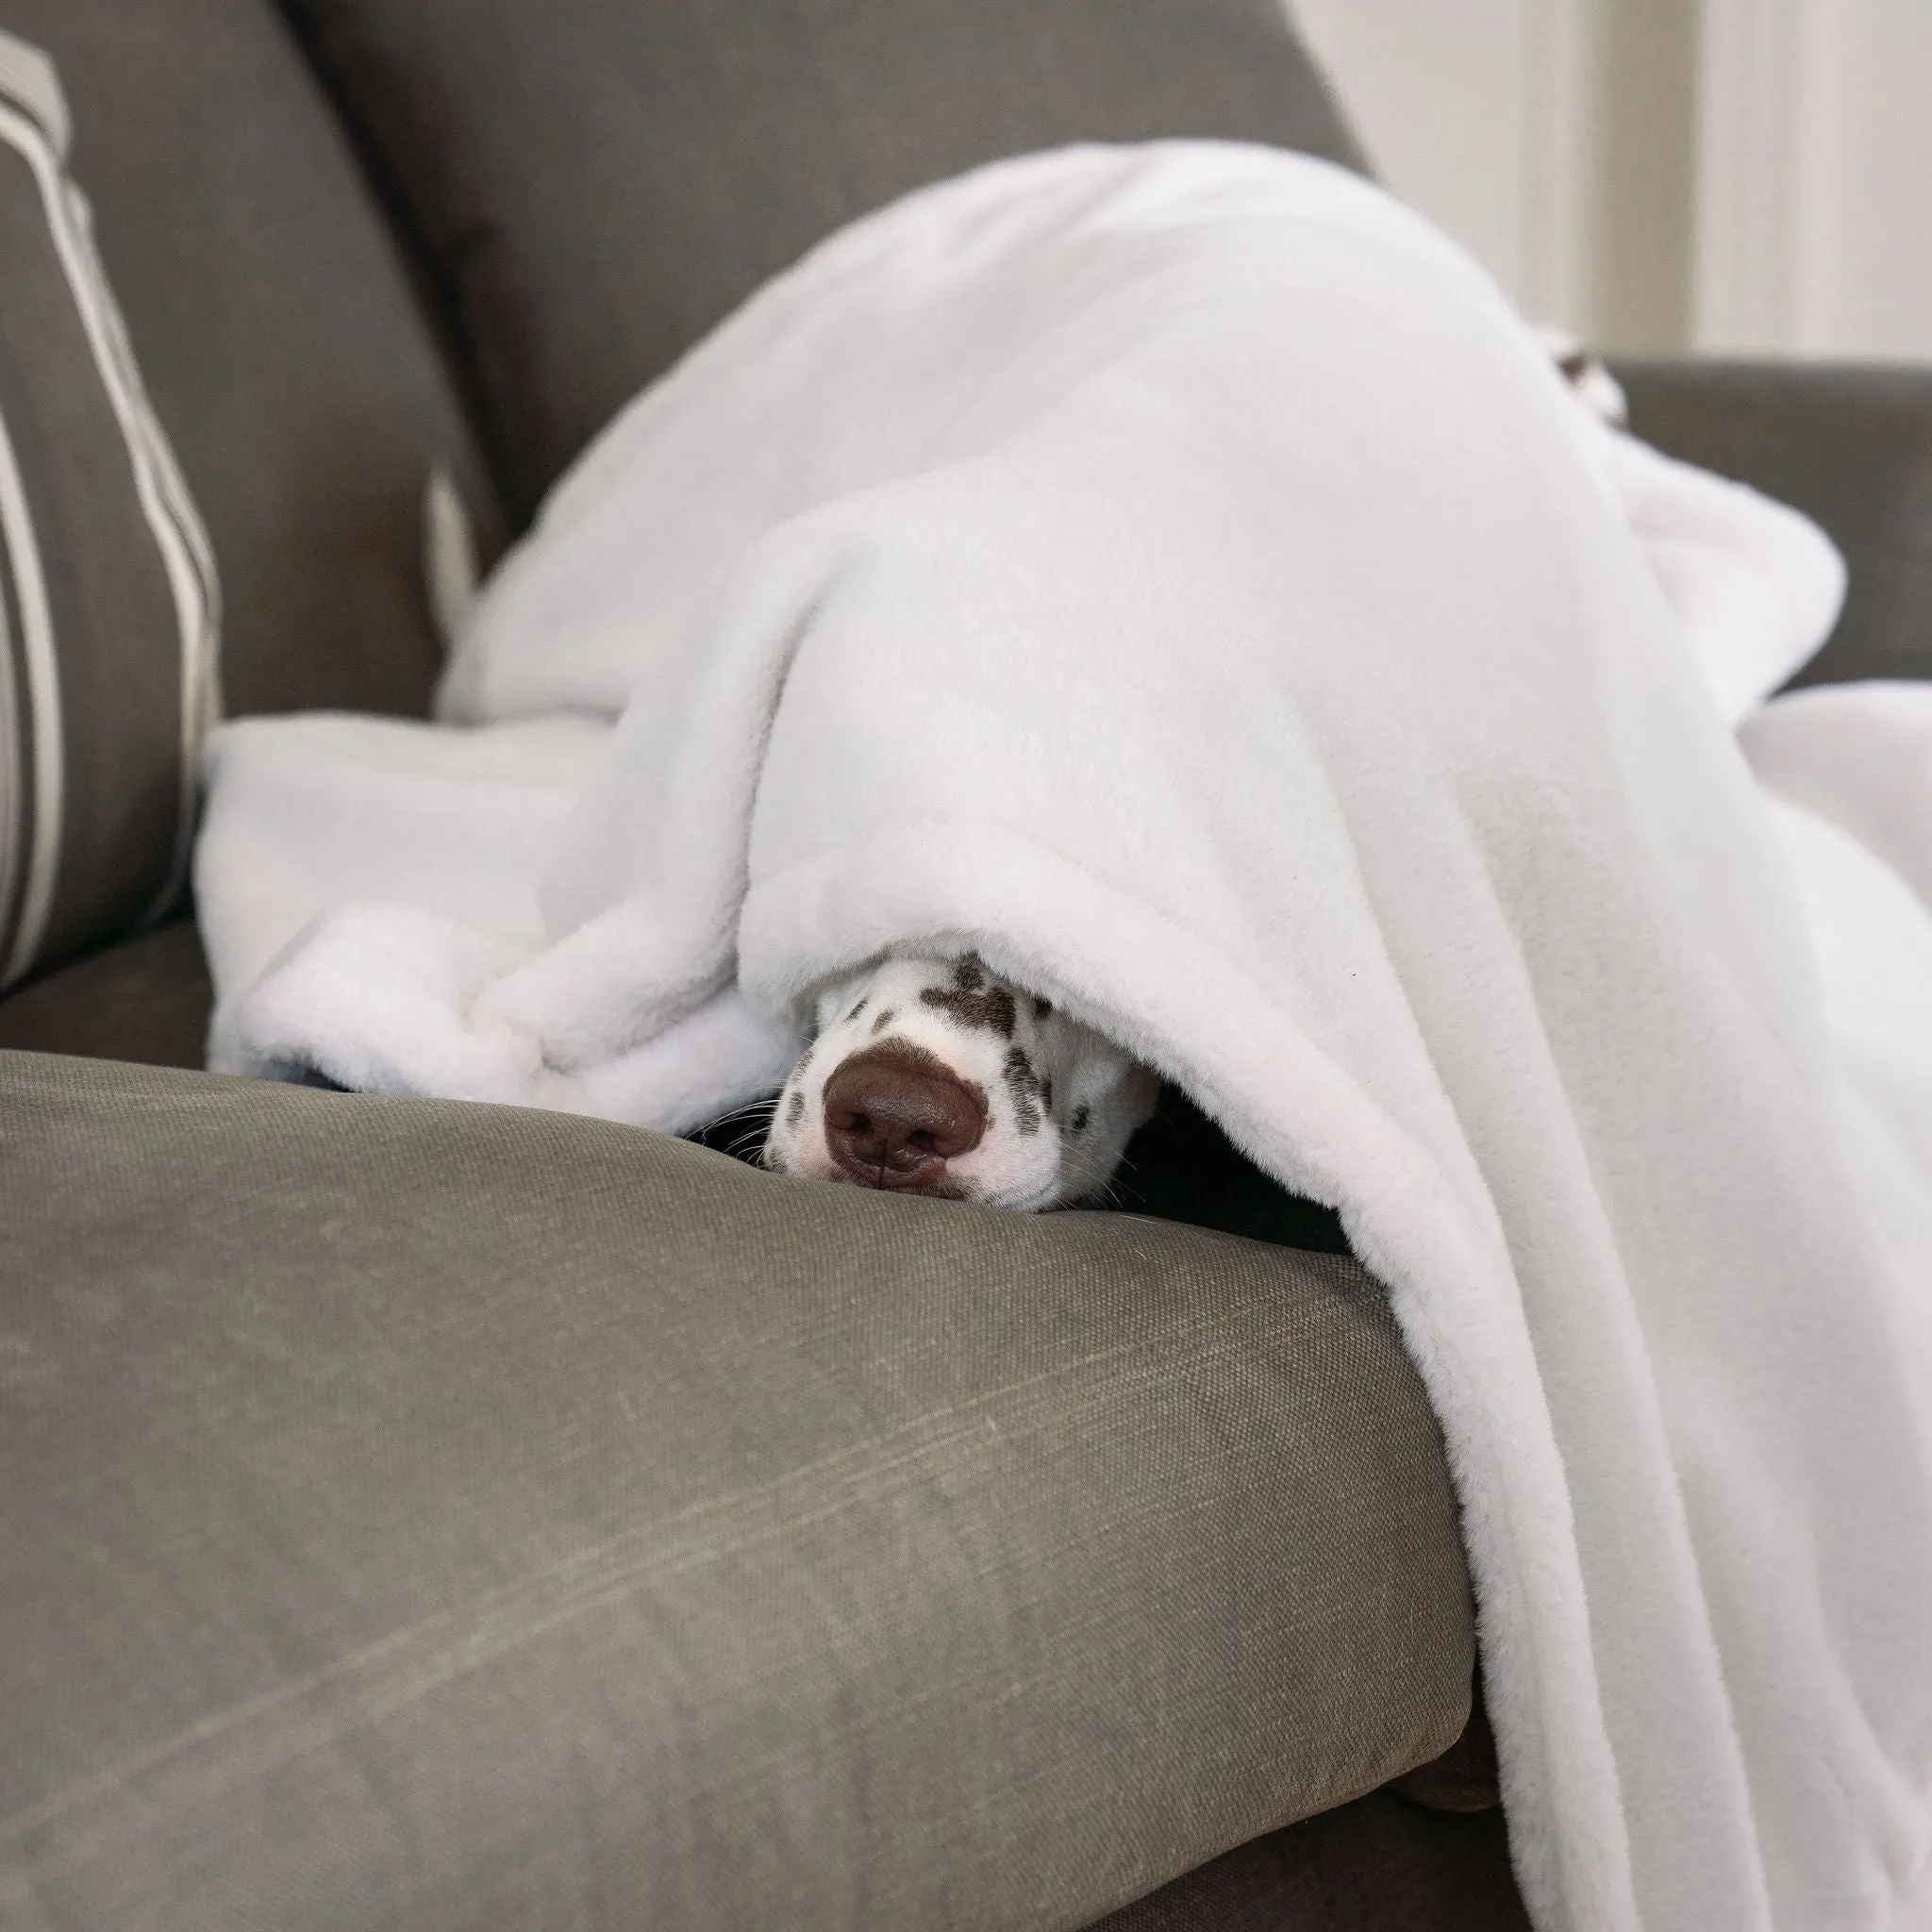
(1175, 572)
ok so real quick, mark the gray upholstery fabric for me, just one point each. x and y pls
(421, 1516)
(146, 999)
(596, 185)
(285, 349)
(1851, 446)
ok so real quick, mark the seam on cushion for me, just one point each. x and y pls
(1259, 1766)
(584, 1598)
(612, 1573)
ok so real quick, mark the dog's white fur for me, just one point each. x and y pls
(1061, 1100)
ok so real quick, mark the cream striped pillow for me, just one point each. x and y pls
(108, 607)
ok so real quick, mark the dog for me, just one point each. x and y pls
(935, 1077)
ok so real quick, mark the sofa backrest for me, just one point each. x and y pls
(593, 183)
(552, 201)
(287, 351)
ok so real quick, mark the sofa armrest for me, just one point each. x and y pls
(423, 1516)
(1851, 445)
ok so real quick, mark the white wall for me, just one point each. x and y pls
(1815, 184)
(1470, 111)
(1728, 174)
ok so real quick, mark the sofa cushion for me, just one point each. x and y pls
(284, 344)
(146, 999)
(596, 186)
(421, 1515)
(107, 602)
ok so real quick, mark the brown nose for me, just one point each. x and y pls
(895, 1114)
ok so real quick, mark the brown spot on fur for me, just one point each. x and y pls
(859, 1009)
(971, 1001)
(1022, 1083)
(884, 1020)
(794, 1108)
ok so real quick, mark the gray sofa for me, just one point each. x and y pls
(425, 1516)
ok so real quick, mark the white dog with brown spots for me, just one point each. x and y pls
(933, 1076)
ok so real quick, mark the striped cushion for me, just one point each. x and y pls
(109, 610)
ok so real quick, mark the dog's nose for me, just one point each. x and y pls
(896, 1115)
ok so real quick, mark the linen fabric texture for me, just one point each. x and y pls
(1175, 573)
(498, 1519)
(108, 612)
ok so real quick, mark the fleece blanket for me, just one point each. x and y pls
(1175, 573)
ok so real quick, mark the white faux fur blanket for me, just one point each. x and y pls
(1175, 572)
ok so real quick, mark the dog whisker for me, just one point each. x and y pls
(740, 1133)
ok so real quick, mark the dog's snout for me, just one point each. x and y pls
(895, 1114)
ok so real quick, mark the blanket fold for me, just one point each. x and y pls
(1175, 572)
